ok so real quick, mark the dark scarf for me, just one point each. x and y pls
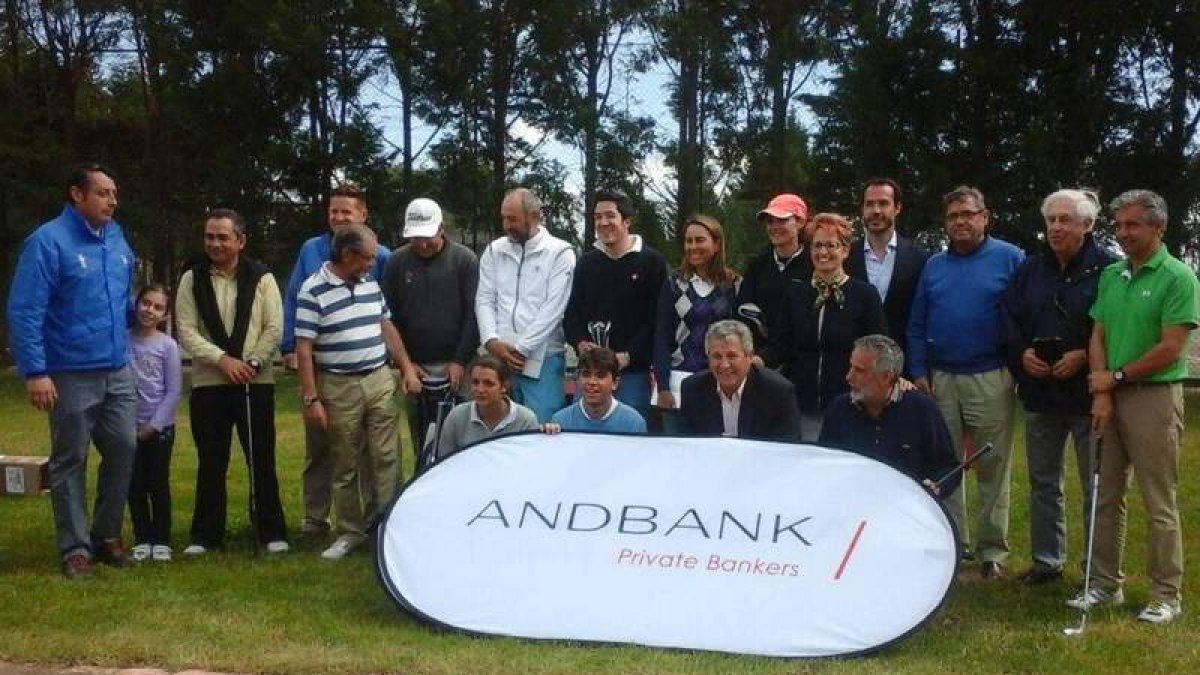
(248, 274)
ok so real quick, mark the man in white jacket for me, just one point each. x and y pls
(524, 285)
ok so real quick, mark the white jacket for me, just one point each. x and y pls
(523, 292)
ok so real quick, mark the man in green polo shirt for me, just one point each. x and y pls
(1146, 306)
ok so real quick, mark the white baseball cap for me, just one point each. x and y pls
(422, 218)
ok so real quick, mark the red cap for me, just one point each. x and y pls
(785, 205)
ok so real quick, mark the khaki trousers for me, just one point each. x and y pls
(1144, 436)
(363, 417)
(982, 405)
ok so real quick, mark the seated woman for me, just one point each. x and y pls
(490, 412)
(819, 322)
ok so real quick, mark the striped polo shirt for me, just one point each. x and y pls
(343, 321)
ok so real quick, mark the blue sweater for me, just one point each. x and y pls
(313, 254)
(957, 324)
(622, 420)
(70, 303)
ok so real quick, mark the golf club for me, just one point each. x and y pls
(1073, 631)
(256, 365)
(428, 454)
(752, 313)
(963, 466)
(599, 331)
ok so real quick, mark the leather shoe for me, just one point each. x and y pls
(112, 552)
(1036, 576)
(990, 571)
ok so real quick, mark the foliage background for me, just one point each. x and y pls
(262, 105)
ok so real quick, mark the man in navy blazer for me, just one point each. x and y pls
(736, 398)
(884, 259)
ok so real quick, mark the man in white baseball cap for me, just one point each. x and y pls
(429, 285)
(423, 222)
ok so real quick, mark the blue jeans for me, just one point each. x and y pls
(543, 394)
(1045, 444)
(98, 407)
(634, 391)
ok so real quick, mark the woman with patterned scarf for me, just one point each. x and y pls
(820, 320)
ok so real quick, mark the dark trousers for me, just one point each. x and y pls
(150, 489)
(215, 411)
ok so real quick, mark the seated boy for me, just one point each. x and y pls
(595, 409)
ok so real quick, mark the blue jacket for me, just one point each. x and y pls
(70, 304)
(313, 254)
(957, 323)
(1045, 301)
(910, 435)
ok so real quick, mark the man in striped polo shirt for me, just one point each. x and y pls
(343, 339)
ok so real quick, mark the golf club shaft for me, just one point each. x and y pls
(250, 462)
(1091, 539)
(964, 465)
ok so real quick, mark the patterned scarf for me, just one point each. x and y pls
(830, 289)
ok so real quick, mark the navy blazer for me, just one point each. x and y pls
(768, 411)
(910, 260)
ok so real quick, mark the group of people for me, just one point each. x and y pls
(866, 343)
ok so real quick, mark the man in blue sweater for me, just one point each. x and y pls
(957, 349)
(347, 206)
(597, 409)
(68, 316)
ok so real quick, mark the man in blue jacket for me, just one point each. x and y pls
(68, 314)
(347, 206)
(1047, 307)
(957, 349)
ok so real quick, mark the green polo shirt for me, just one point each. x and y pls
(1134, 307)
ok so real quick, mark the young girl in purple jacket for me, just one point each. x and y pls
(154, 357)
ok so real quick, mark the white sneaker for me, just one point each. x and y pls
(1096, 597)
(1160, 612)
(160, 553)
(140, 552)
(195, 549)
(278, 546)
(339, 549)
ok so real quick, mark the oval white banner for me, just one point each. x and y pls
(714, 544)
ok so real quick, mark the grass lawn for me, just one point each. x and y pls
(297, 613)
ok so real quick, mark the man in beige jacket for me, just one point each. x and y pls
(230, 316)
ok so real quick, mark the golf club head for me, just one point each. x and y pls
(751, 313)
(1075, 631)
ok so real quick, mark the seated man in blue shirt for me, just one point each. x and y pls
(595, 408)
(880, 419)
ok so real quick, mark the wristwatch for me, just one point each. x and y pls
(309, 401)
(1119, 376)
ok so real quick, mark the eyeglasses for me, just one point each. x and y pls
(962, 215)
(826, 245)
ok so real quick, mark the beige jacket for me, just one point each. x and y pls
(262, 336)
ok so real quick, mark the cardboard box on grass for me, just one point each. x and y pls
(24, 475)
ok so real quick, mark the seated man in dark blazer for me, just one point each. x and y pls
(736, 398)
(889, 262)
(879, 419)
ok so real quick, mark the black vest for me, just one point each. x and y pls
(249, 272)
